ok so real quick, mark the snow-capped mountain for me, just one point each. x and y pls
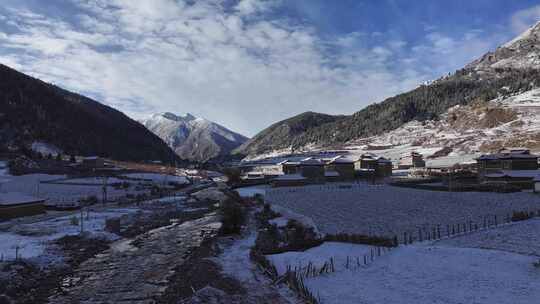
(193, 138)
(519, 53)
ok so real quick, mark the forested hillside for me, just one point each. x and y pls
(32, 110)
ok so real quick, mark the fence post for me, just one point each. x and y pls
(405, 238)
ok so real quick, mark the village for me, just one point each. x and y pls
(312, 227)
(511, 169)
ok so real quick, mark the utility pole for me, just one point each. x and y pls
(104, 189)
(450, 180)
(82, 220)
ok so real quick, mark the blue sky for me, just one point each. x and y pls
(249, 63)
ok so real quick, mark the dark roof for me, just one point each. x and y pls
(310, 161)
(498, 156)
(341, 160)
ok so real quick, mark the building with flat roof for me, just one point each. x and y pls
(343, 166)
(411, 160)
(312, 169)
(506, 160)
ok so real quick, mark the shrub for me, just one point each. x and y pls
(521, 216)
(361, 239)
(74, 221)
(233, 175)
(233, 216)
(92, 200)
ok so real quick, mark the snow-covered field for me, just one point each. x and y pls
(91, 180)
(421, 274)
(386, 210)
(32, 239)
(322, 254)
(520, 237)
(30, 184)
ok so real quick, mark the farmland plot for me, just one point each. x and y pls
(519, 237)
(421, 274)
(32, 184)
(389, 211)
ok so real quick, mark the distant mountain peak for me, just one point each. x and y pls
(522, 52)
(175, 117)
(532, 33)
(191, 137)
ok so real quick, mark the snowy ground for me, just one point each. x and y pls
(322, 254)
(423, 274)
(252, 191)
(235, 262)
(30, 184)
(519, 237)
(32, 239)
(389, 211)
(4, 176)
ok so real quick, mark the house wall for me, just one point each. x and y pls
(383, 170)
(289, 169)
(288, 183)
(313, 173)
(493, 166)
(366, 164)
(94, 163)
(9, 212)
(345, 170)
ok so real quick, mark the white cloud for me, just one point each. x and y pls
(524, 19)
(234, 66)
(249, 7)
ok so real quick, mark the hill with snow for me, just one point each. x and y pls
(490, 103)
(193, 138)
(45, 118)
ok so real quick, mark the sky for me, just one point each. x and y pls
(249, 63)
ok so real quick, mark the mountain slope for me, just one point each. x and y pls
(283, 134)
(463, 132)
(33, 111)
(193, 138)
(511, 69)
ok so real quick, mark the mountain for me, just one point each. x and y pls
(35, 113)
(510, 70)
(282, 135)
(193, 138)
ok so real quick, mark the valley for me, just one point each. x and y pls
(410, 190)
